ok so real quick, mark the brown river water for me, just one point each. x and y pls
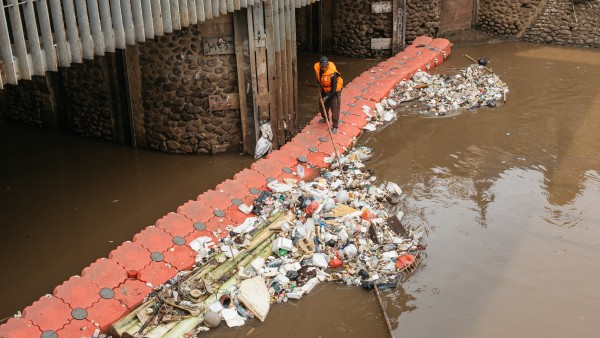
(510, 197)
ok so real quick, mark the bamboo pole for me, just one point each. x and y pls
(387, 319)
(39, 65)
(337, 155)
(62, 47)
(19, 41)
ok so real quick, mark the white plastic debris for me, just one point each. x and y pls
(199, 242)
(232, 318)
(254, 294)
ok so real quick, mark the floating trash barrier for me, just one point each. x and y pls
(341, 228)
(438, 94)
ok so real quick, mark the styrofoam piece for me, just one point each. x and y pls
(232, 318)
(282, 243)
(253, 293)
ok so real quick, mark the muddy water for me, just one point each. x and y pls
(509, 195)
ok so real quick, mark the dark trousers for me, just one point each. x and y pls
(332, 103)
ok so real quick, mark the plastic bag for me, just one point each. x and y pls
(263, 146)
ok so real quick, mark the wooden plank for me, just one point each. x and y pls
(117, 18)
(237, 5)
(208, 9)
(19, 41)
(218, 46)
(224, 102)
(148, 21)
(251, 75)
(271, 67)
(216, 4)
(128, 22)
(295, 70)
(289, 57)
(200, 11)
(238, 31)
(62, 46)
(395, 23)
(107, 27)
(284, 75)
(47, 40)
(10, 69)
(262, 96)
(175, 15)
(192, 12)
(184, 13)
(381, 43)
(165, 9)
(222, 7)
(382, 7)
(157, 18)
(279, 129)
(230, 7)
(84, 30)
(96, 27)
(138, 20)
(244, 3)
(39, 65)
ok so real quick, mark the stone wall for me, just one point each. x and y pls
(354, 26)
(77, 98)
(29, 102)
(564, 23)
(560, 22)
(506, 17)
(177, 79)
(88, 99)
(422, 18)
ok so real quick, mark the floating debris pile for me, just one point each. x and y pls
(473, 87)
(300, 234)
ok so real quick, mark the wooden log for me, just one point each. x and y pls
(148, 19)
(62, 47)
(107, 27)
(96, 28)
(10, 68)
(251, 76)
(128, 22)
(184, 17)
(271, 68)
(157, 18)
(39, 65)
(165, 9)
(278, 129)
(291, 128)
(175, 14)
(241, 38)
(193, 11)
(19, 40)
(284, 75)
(295, 68)
(139, 23)
(117, 18)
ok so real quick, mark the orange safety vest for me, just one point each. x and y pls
(325, 79)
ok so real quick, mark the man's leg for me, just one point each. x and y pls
(336, 100)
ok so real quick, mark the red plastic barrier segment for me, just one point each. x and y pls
(131, 293)
(316, 159)
(48, 313)
(421, 40)
(182, 257)
(156, 273)
(132, 256)
(233, 189)
(175, 224)
(19, 328)
(78, 292)
(196, 211)
(106, 273)
(215, 199)
(154, 239)
(105, 312)
(77, 328)
(251, 178)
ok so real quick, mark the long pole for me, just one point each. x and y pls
(337, 155)
(387, 319)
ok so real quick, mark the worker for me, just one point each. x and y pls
(331, 84)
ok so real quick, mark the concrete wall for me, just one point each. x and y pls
(177, 79)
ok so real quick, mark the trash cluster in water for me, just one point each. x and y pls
(473, 87)
(344, 226)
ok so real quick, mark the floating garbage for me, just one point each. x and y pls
(439, 94)
(301, 234)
